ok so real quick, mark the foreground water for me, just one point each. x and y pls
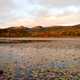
(23, 61)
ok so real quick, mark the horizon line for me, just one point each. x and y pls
(39, 25)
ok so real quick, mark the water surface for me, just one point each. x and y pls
(64, 54)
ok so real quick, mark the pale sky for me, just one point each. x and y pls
(39, 12)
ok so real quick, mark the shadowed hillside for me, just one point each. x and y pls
(39, 31)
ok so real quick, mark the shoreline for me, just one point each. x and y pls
(25, 40)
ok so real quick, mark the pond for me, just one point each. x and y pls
(26, 60)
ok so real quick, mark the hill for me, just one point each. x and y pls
(39, 31)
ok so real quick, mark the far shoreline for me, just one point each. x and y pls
(36, 39)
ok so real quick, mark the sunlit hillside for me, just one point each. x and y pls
(40, 31)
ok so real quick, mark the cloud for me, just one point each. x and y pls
(57, 2)
(39, 12)
(6, 7)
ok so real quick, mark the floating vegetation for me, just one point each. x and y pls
(56, 60)
(38, 73)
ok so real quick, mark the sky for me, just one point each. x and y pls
(39, 12)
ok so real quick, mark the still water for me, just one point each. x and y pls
(63, 54)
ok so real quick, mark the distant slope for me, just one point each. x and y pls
(39, 31)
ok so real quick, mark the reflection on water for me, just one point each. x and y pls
(19, 59)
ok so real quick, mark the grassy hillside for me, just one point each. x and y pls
(39, 31)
